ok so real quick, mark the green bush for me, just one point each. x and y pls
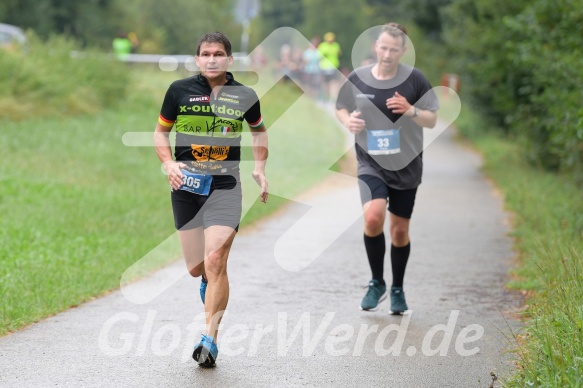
(46, 80)
(476, 37)
(551, 122)
(522, 67)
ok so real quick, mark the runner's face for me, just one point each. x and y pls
(389, 50)
(213, 60)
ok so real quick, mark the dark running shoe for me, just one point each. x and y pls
(375, 294)
(398, 303)
(206, 352)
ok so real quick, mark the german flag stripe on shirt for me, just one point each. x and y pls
(165, 122)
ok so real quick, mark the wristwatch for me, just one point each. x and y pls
(415, 112)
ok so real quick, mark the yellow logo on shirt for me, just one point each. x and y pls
(204, 153)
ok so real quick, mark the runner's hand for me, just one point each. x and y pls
(262, 182)
(399, 104)
(172, 169)
(355, 124)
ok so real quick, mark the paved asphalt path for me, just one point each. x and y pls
(304, 327)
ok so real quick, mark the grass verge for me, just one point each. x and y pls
(548, 232)
(77, 207)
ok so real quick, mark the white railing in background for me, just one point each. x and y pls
(168, 62)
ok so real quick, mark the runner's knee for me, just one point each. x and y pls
(374, 222)
(399, 235)
(216, 262)
(196, 271)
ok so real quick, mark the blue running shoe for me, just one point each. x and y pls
(206, 352)
(203, 284)
(376, 293)
(398, 303)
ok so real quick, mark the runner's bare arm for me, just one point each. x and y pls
(260, 153)
(426, 118)
(164, 151)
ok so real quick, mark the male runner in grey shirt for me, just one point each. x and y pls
(386, 106)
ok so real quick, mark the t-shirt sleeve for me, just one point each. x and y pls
(253, 114)
(168, 112)
(347, 96)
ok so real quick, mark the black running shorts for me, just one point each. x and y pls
(401, 202)
(220, 207)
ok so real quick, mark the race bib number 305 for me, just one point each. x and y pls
(196, 183)
(383, 141)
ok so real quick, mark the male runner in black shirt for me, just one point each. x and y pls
(208, 111)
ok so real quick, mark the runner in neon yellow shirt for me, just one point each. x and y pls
(122, 46)
(329, 64)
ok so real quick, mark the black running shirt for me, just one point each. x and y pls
(209, 128)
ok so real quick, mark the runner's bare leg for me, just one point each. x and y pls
(192, 243)
(218, 242)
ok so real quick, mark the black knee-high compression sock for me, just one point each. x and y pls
(399, 258)
(375, 250)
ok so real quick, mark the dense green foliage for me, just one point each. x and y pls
(521, 63)
(425, 14)
(161, 27)
(275, 14)
(174, 27)
(312, 18)
(46, 81)
(91, 21)
(350, 19)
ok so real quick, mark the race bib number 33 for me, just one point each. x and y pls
(383, 141)
(196, 183)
